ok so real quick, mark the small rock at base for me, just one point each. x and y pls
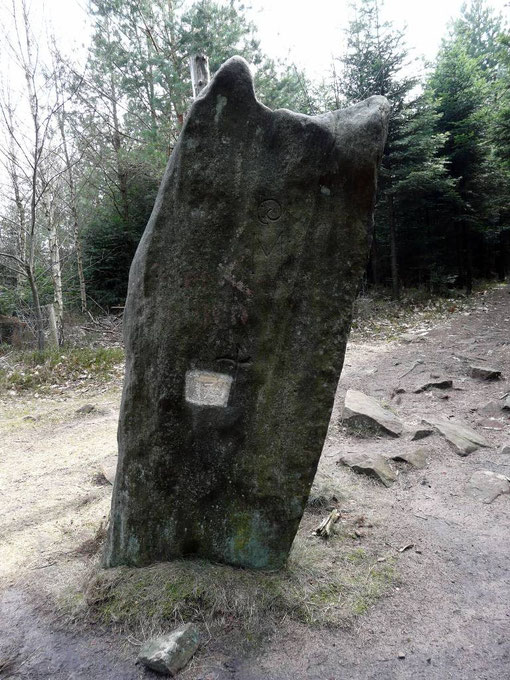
(170, 653)
(484, 372)
(486, 486)
(401, 655)
(505, 449)
(109, 472)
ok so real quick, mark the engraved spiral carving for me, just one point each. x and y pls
(269, 211)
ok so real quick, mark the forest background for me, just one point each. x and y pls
(83, 147)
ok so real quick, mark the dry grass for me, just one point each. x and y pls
(93, 545)
(7, 662)
(377, 315)
(34, 369)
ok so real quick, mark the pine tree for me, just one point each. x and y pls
(376, 62)
(465, 84)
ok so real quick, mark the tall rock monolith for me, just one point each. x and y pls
(237, 316)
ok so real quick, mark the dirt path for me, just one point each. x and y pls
(450, 612)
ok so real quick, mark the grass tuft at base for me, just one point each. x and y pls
(326, 583)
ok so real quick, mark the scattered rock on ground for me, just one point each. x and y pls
(170, 653)
(486, 486)
(506, 404)
(417, 458)
(465, 439)
(413, 337)
(361, 411)
(85, 409)
(109, 471)
(492, 408)
(444, 384)
(484, 372)
(491, 424)
(505, 449)
(421, 433)
(372, 464)
(99, 479)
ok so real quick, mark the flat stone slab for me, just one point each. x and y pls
(416, 458)
(236, 320)
(372, 464)
(421, 433)
(170, 653)
(463, 438)
(367, 415)
(484, 372)
(486, 486)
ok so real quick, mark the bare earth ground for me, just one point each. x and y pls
(449, 612)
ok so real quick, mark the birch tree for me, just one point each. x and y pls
(28, 119)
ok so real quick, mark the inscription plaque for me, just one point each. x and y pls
(205, 388)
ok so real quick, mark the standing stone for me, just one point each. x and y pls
(236, 321)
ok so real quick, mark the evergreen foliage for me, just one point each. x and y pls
(443, 208)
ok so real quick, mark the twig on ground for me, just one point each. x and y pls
(325, 527)
(416, 363)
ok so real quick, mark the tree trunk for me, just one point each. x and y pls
(56, 275)
(117, 146)
(395, 284)
(39, 322)
(79, 259)
(199, 68)
(74, 214)
(466, 237)
(374, 261)
(53, 326)
(55, 265)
